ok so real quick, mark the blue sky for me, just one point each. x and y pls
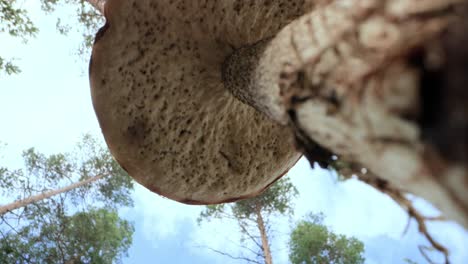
(48, 106)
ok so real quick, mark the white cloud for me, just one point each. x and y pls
(162, 219)
(355, 209)
(160, 216)
(351, 208)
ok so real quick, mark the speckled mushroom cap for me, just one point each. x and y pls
(166, 116)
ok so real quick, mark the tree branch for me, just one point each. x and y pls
(250, 236)
(98, 5)
(421, 220)
(233, 257)
(396, 195)
(255, 253)
(9, 225)
(32, 199)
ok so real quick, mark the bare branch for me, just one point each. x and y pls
(421, 220)
(397, 195)
(233, 257)
(255, 253)
(9, 225)
(250, 235)
(423, 249)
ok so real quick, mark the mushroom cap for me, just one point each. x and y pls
(167, 118)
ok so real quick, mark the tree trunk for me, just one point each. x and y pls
(98, 5)
(32, 199)
(349, 81)
(263, 235)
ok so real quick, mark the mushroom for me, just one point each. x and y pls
(159, 92)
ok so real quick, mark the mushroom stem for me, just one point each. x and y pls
(249, 76)
(342, 76)
(254, 73)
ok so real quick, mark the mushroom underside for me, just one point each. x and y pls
(162, 106)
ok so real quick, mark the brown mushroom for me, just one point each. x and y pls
(167, 117)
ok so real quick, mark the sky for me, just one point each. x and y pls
(48, 106)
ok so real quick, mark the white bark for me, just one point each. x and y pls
(32, 199)
(263, 234)
(340, 77)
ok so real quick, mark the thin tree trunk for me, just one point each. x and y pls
(98, 5)
(341, 77)
(32, 199)
(263, 235)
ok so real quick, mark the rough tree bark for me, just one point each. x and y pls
(350, 79)
(32, 199)
(263, 235)
(98, 5)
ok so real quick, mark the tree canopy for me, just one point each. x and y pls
(312, 242)
(276, 199)
(95, 236)
(75, 225)
(16, 22)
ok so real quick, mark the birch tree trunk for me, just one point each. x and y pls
(264, 237)
(32, 199)
(351, 80)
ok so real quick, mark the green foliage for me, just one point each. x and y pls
(8, 67)
(97, 236)
(253, 216)
(81, 225)
(94, 159)
(15, 22)
(89, 18)
(43, 173)
(276, 199)
(312, 242)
